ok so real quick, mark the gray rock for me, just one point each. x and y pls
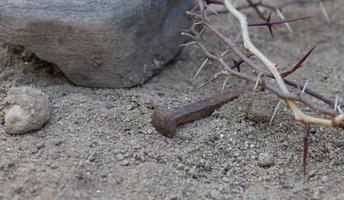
(266, 160)
(98, 43)
(26, 109)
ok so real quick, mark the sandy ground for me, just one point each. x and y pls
(99, 143)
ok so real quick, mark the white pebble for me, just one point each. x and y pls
(26, 109)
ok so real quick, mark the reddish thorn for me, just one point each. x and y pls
(255, 7)
(298, 64)
(215, 77)
(256, 3)
(219, 2)
(275, 21)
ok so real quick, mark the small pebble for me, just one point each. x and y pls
(33, 150)
(150, 131)
(92, 157)
(140, 156)
(120, 156)
(316, 195)
(266, 160)
(226, 179)
(180, 166)
(125, 163)
(313, 130)
(58, 142)
(207, 166)
(172, 197)
(215, 194)
(311, 173)
(82, 163)
(40, 145)
(325, 179)
(338, 144)
(109, 105)
(194, 172)
(213, 138)
(226, 167)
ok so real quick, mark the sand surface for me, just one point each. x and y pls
(100, 144)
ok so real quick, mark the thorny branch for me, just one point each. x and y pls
(258, 75)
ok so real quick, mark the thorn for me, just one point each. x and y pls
(257, 82)
(270, 22)
(298, 64)
(193, 9)
(237, 64)
(198, 23)
(305, 86)
(187, 44)
(237, 37)
(325, 13)
(275, 111)
(275, 21)
(202, 30)
(255, 7)
(230, 21)
(215, 77)
(212, 10)
(200, 68)
(220, 2)
(187, 34)
(281, 15)
(234, 62)
(224, 53)
(224, 84)
(336, 104)
(270, 25)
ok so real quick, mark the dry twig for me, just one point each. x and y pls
(272, 71)
(257, 75)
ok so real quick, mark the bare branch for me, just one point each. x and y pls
(255, 77)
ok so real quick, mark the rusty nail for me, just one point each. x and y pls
(167, 121)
